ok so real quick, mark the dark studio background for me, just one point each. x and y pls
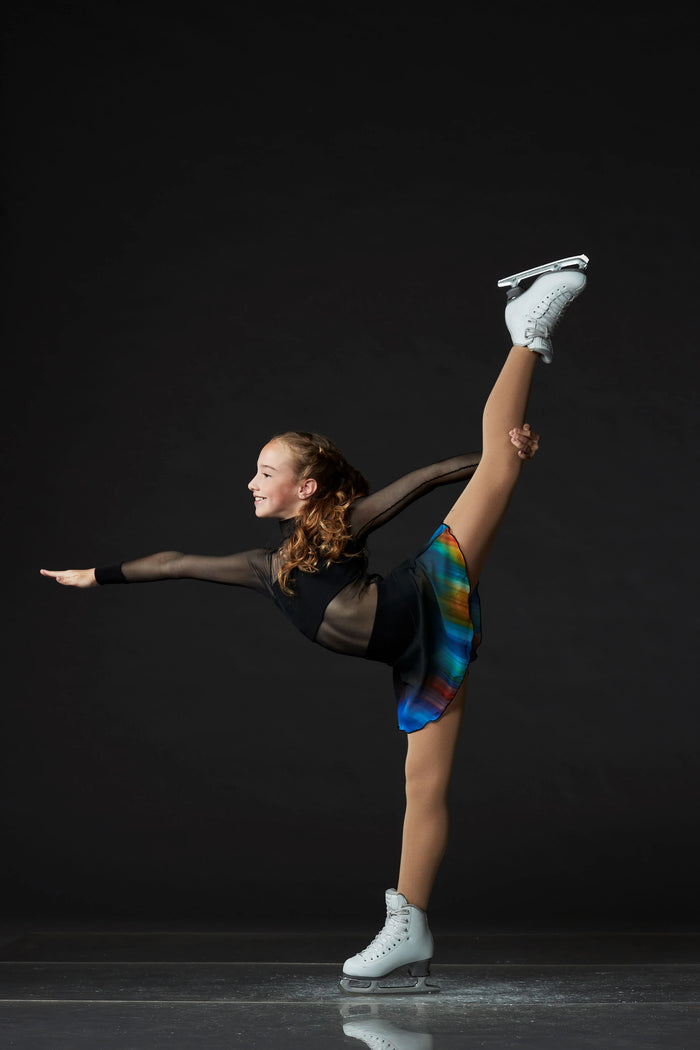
(227, 220)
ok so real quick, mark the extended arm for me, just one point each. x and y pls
(246, 569)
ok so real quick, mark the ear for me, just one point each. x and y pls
(307, 488)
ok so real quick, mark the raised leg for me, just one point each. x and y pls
(475, 517)
(474, 521)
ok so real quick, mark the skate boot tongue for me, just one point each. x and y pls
(395, 901)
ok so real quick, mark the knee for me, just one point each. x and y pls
(427, 787)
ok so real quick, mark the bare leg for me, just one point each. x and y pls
(429, 759)
(475, 517)
(474, 521)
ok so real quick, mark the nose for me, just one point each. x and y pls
(251, 485)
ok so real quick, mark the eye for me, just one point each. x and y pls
(266, 475)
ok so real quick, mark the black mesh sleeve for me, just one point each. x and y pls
(373, 511)
(245, 569)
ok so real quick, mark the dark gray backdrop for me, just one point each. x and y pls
(223, 223)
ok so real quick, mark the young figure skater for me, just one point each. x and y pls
(422, 618)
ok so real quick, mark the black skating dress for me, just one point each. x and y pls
(422, 618)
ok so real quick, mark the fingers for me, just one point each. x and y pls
(64, 576)
(525, 433)
(525, 441)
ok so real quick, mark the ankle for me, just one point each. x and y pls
(414, 899)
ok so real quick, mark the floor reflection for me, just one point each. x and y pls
(366, 1024)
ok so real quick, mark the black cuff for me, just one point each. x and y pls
(110, 574)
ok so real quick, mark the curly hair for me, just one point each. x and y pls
(321, 532)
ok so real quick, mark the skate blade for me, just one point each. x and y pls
(376, 986)
(579, 262)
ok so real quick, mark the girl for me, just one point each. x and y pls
(422, 619)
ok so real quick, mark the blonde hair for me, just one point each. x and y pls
(321, 532)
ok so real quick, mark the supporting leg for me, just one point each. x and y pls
(429, 760)
(405, 940)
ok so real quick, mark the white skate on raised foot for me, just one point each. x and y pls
(532, 314)
(402, 948)
(578, 262)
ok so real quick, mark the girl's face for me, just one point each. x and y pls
(277, 491)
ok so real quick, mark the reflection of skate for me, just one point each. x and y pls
(383, 1035)
(404, 947)
(532, 315)
(580, 262)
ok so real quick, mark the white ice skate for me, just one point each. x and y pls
(532, 314)
(383, 1035)
(403, 947)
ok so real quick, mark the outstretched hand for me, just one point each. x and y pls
(72, 577)
(525, 440)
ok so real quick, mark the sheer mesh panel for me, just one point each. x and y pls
(344, 620)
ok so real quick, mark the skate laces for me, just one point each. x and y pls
(544, 317)
(394, 931)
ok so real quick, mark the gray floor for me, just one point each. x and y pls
(108, 988)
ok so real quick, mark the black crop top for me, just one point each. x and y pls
(337, 606)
